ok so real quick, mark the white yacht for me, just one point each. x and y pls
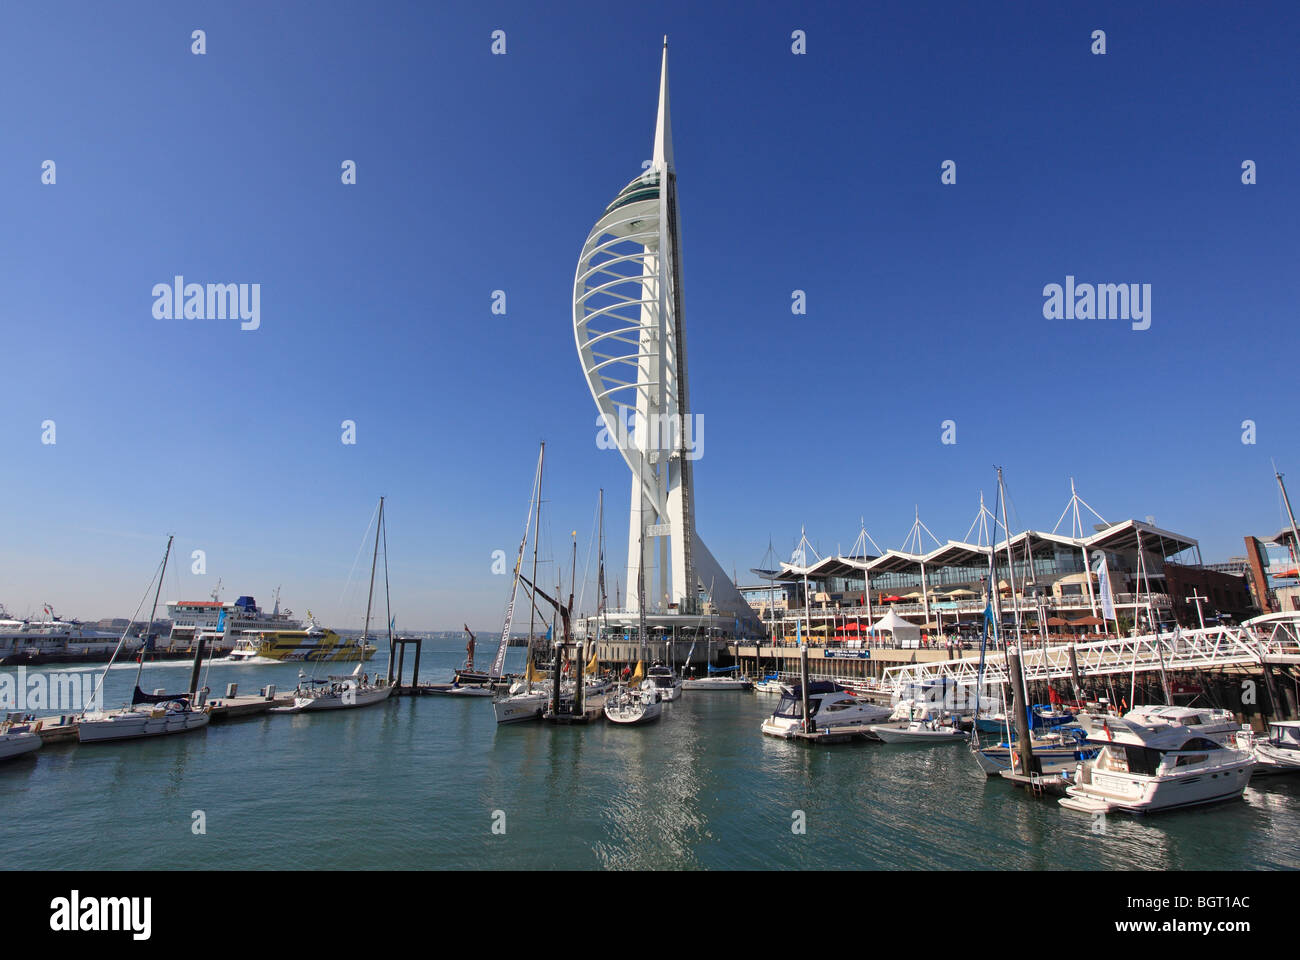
(17, 739)
(669, 686)
(337, 693)
(148, 720)
(718, 681)
(770, 684)
(828, 707)
(920, 731)
(635, 705)
(1143, 767)
(1218, 725)
(1279, 752)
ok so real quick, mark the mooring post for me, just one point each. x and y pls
(415, 670)
(579, 680)
(1074, 673)
(808, 724)
(555, 676)
(1024, 747)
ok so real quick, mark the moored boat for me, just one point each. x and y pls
(920, 731)
(631, 706)
(669, 686)
(17, 739)
(1145, 767)
(828, 707)
(1278, 752)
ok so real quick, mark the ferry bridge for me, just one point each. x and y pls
(1211, 648)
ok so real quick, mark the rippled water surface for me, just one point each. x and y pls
(415, 783)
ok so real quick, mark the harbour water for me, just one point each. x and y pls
(420, 782)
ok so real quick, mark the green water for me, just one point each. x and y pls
(415, 783)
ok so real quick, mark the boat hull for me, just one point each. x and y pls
(362, 697)
(634, 713)
(139, 724)
(17, 744)
(521, 708)
(895, 735)
(1133, 794)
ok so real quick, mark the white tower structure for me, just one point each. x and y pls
(631, 337)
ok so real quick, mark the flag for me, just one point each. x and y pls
(1103, 578)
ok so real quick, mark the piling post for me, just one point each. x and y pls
(808, 725)
(1074, 673)
(579, 680)
(1024, 746)
(555, 675)
(415, 670)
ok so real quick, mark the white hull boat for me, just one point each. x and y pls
(718, 683)
(1278, 753)
(177, 716)
(771, 685)
(828, 706)
(633, 707)
(520, 707)
(919, 731)
(1146, 767)
(16, 741)
(669, 686)
(339, 696)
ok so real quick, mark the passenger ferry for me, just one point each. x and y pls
(313, 644)
(53, 640)
(220, 625)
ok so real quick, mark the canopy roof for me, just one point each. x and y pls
(897, 626)
(955, 553)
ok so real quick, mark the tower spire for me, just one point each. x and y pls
(663, 151)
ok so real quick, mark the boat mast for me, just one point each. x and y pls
(1011, 560)
(532, 597)
(388, 606)
(1295, 537)
(602, 616)
(152, 612)
(498, 662)
(374, 561)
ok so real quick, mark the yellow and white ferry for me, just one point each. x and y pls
(312, 644)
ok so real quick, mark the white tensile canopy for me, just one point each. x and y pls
(896, 625)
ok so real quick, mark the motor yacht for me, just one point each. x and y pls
(1279, 752)
(1149, 766)
(669, 686)
(828, 707)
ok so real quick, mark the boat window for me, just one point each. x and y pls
(1199, 743)
(1142, 760)
(842, 705)
(1287, 734)
(790, 708)
(1187, 759)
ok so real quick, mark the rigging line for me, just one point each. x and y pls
(121, 640)
(365, 537)
(586, 563)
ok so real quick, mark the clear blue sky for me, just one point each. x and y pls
(478, 172)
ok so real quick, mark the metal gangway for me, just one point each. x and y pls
(1198, 649)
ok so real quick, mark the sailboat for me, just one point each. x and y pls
(527, 698)
(17, 739)
(355, 689)
(159, 716)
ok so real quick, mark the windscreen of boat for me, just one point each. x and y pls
(1286, 736)
(790, 708)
